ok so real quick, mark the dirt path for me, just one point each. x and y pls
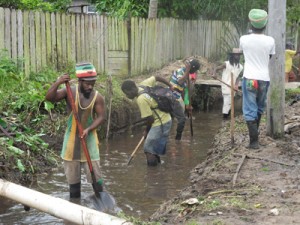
(266, 189)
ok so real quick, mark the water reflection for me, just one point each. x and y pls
(139, 190)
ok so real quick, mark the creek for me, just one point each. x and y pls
(138, 189)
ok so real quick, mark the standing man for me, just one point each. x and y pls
(232, 65)
(179, 82)
(91, 112)
(158, 123)
(257, 48)
(290, 53)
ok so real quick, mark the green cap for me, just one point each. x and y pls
(100, 181)
(258, 18)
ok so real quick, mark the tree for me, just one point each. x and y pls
(152, 9)
(50, 6)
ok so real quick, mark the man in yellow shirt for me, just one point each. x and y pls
(158, 123)
(289, 55)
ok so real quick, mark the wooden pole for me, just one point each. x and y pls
(276, 93)
(190, 105)
(60, 208)
(232, 111)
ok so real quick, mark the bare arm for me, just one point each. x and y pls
(216, 69)
(149, 122)
(55, 95)
(163, 80)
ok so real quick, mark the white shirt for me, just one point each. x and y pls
(257, 49)
(226, 76)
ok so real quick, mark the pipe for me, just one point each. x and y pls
(57, 207)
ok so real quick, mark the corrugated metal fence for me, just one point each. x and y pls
(115, 46)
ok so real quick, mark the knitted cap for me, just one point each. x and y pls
(195, 65)
(86, 71)
(258, 18)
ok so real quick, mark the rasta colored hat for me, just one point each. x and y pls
(195, 65)
(85, 71)
(258, 18)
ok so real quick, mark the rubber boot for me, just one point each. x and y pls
(258, 119)
(152, 160)
(75, 190)
(178, 136)
(253, 134)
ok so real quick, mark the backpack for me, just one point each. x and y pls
(163, 96)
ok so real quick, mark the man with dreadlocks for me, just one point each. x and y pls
(91, 112)
(231, 66)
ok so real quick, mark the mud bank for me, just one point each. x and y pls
(235, 185)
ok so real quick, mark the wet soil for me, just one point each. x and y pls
(235, 185)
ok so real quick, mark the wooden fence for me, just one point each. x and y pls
(118, 47)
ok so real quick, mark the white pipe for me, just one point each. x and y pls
(57, 207)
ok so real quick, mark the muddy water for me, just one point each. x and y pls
(139, 190)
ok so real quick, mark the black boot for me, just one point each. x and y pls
(253, 134)
(152, 160)
(258, 119)
(75, 190)
(178, 136)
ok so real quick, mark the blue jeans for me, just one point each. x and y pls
(157, 138)
(254, 98)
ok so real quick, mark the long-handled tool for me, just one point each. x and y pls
(226, 84)
(190, 111)
(232, 112)
(136, 148)
(97, 186)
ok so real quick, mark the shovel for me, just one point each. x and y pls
(104, 200)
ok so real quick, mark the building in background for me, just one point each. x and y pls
(81, 6)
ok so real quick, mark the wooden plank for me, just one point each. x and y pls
(90, 38)
(2, 29)
(32, 42)
(69, 36)
(14, 47)
(78, 38)
(20, 41)
(95, 54)
(48, 27)
(38, 42)
(86, 37)
(7, 35)
(26, 43)
(59, 41)
(82, 36)
(99, 33)
(64, 40)
(73, 35)
(53, 40)
(43, 41)
(105, 28)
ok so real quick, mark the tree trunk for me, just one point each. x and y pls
(152, 9)
(276, 95)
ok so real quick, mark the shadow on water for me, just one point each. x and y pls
(138, 190)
